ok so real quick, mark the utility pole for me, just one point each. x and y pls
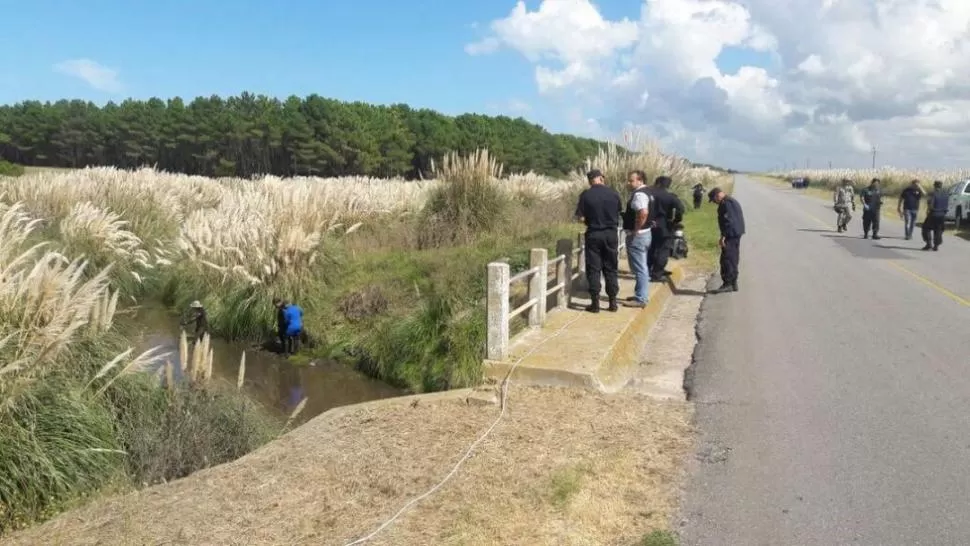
(873, 157)
(830, 165)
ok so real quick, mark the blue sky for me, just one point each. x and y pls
(378, 51)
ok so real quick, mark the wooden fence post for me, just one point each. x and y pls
(497, 314)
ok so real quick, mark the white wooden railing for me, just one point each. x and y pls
(569, 264)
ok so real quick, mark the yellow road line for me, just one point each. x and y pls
(931, 284)
(917, 276)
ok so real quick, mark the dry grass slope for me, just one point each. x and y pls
(566, 468)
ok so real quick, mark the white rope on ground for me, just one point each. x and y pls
(471, 448)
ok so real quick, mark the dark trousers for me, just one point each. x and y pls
(697, 201)
(291, 344)
(730, 260)
(933, 226)
(870, 219)
(660, 244)
(602, 258)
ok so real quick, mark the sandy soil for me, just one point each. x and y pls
(563, 468)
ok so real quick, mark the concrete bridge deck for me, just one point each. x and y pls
(579, 349)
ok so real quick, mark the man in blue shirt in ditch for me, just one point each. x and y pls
(290, 323)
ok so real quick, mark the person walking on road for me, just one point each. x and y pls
(871, 198)
(844, 200)
(636, 224)
(599, 208)
(669, 211)
(936, 207)
(698, 195)
(730, 220)
(908, 206)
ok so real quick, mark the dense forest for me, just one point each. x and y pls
(250, 134)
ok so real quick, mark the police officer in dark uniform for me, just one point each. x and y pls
(698, 195)
(871, 198)
(937, 203)
(730, 220)
(599, 207)
(669, 211)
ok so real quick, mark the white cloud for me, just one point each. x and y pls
(842, 76)
(511, 107)
(93, 73)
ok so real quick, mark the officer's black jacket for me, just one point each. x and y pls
(669, 209)
(937, 203)
(730, 218)
(600, 207)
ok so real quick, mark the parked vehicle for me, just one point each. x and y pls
(958, 205)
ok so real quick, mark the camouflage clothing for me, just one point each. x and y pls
(844, 205)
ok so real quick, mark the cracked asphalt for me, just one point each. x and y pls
(833, 390)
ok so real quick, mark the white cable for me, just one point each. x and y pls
(471, 448)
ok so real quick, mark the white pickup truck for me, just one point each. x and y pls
(958, 205)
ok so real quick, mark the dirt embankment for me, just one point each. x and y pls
(563, 467)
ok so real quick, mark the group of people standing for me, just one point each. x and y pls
(652, 216)
(907, 207)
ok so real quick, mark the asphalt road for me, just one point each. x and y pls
(833, 390)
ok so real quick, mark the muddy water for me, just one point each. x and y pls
(270, 378)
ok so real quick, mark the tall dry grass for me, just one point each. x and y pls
(71, 395)
(893, 180)
(645, 154)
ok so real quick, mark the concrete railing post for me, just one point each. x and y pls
(497, 314)
(581, 260)
(564, 273)
(538, 257)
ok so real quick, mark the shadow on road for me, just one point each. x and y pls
(809, 230)
(867, 248)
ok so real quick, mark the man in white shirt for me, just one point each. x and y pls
(636, 223)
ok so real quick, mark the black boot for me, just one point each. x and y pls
(594, 306)
(613, 308)
(734, 286)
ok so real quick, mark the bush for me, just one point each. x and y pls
(172, 432)
(10, 169)
(57, 443)
(439, 347)
(467, 204)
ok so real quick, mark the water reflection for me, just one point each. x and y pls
(271, 379)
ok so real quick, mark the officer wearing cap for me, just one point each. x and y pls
(599, 207)
(730, 220)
